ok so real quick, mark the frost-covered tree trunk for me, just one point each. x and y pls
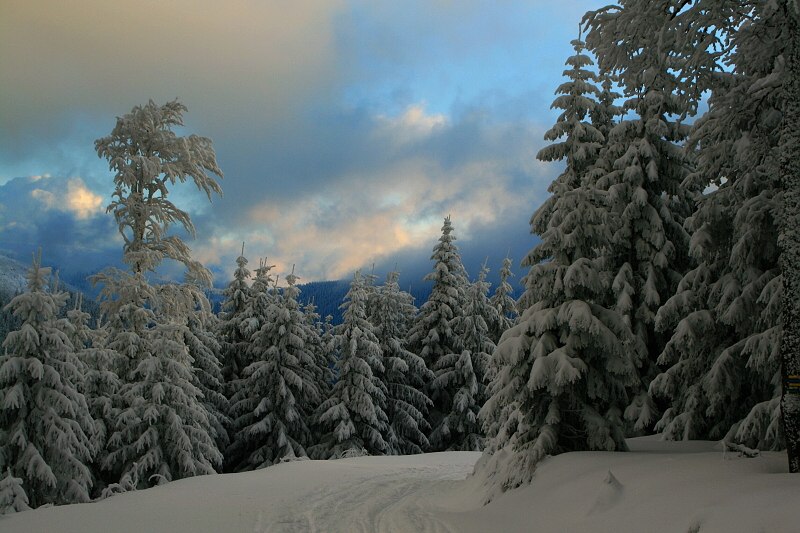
(45, 425)
(789, 239)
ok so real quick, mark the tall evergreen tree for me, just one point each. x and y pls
(566, 373)
(280, 386)
(505, 304)
(232, 338)
(725, 318)
(45, 425)
(319, 345)
(101, 385)
(644, 181)
(391, 311)
(722, 362)
(354, 416)
(263, 295)
(205, 352)
(163, 430)
(432, 335)
(460, 376)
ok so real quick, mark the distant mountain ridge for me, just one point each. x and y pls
(326, 295)
(12, 276)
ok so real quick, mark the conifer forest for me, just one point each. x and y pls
(661, 296)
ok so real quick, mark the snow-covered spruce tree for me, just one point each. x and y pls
(100, 382)
(76, 325)
(205, 351)
(566, 372)
(264, 293)
(280, 387)
(162, 431)
(432, 335)
(722, 364)
(354, 416)
(12, 495)
(45, 425)
(390, 311)
(232, 339)
(319, 346)
(789, 240)
(101, 386)
(645, 177)
(460, 376)
(723, 357)
(261, 296)
(502, 301)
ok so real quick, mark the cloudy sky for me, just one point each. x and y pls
(347, 130)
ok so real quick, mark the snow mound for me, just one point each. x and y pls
(608, 495)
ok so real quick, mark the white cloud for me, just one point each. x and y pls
(47, 198)
(82, 201)
(414, 124)
(77, 198)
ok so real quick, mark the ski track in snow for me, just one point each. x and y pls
(397, 501)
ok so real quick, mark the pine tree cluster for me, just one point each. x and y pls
(654, 302)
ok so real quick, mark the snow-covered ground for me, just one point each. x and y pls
(657, 487)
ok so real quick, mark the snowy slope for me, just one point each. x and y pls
(12, 275)
(657, 487)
